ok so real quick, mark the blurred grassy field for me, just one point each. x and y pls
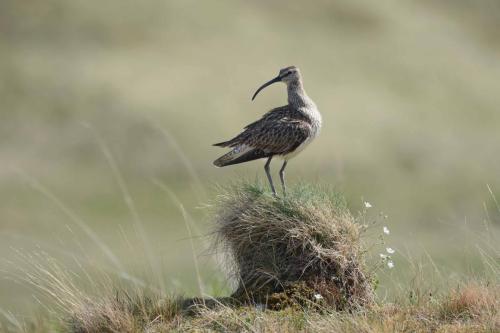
(409, 92)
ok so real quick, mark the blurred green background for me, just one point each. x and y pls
(102, 98)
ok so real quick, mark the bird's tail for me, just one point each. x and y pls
(232, 155)
(239, 154)
(221, 144)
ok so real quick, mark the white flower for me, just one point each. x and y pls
(386, 230)
(383, 256)
(318, 296)
(368, 205)
(389, 250)
(390, 264)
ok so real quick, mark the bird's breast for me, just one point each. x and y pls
(315, 121)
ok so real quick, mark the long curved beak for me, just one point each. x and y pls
(276, 79)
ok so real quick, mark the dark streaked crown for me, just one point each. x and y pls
(288, 70)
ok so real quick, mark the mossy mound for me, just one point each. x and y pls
(303, 249)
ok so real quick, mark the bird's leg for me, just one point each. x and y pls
(282, 177)
(268, 173)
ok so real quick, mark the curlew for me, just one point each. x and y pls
(283, 131)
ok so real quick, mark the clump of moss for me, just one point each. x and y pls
(301, 248)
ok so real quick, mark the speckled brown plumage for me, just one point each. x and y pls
(283, 131)
(278, 132)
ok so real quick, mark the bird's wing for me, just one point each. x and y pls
(279, 131)
(274, 114)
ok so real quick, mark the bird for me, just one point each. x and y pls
(283, 131)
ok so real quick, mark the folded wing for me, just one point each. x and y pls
(278, 132)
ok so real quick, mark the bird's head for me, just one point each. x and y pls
(286, 75)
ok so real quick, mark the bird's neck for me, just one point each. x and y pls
(297, 96)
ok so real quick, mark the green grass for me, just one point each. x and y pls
(409, 97)
(299, 195)
(284, 251)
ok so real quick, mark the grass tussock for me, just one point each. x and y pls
(303, 248)
(123, 312)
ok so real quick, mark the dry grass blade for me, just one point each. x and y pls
(129, 202)
(35, 184)
(186, 161)
(187, 221)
